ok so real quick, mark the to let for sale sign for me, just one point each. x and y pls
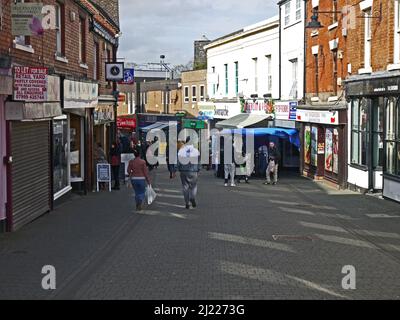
(30, 84)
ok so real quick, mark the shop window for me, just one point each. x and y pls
(332, 151)
(307, 145)
(377, 133)
(359, 132)
(314, 146)
(60, 155)
(186, 95)
(393, 137)
(76, 149)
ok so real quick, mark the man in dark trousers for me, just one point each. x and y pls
(274, 157)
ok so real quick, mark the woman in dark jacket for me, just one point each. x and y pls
(115, 157)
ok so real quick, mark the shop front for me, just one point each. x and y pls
(323, 143)
(5, 90)
(225, 110)
(103, 119)
(285, 117)
(79, 101)
(374, 151)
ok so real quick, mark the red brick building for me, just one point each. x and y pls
(373, 90)
(47, 143)
(322, 118)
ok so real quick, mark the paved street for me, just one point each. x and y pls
(288, 241)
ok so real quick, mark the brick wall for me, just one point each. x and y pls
(45, 47)
(325, 55)
(155, 102)
(193, 78)
(382, 43)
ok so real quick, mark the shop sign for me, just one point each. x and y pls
(322, 117)
(80, 94)
(129, 77)
(286, 110)
(103, 114)
(30, 84)
(258, 107)
(126, 123)
(207, 110)
(226, 110)
(193, 124)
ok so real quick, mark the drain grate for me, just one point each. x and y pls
(282, 237)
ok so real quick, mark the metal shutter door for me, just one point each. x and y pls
(30, 171)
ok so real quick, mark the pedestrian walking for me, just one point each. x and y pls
(139, 175)
(189, 167)
(229, 170)
(274, 157)
(262, 159)
(115, 155)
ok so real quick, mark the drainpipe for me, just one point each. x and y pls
(280, 52)
(305, 53)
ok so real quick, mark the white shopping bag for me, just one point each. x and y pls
(150, 195)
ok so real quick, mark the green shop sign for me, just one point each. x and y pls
(193, 124)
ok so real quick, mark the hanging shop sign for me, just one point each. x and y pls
(26, 19)
(114, 71)
(129, 77)
(315, 116)
(80, 94)
(286, 110)
(30, 84)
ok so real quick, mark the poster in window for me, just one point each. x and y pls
(329, 150)
(314, 146)
(307, 145)
(336, 151)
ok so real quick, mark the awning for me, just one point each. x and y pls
(243, 120)
(292, 135)
(157, 126)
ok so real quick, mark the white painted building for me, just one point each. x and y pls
(292, 24)
(244, 64)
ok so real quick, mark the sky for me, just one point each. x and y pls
(151, 28)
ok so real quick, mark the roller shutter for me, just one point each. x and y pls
(30, 171)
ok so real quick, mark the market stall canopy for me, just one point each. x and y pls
(159, 126)
(292, 135)
(244, 120)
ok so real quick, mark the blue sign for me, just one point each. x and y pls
(129, 76)
(293, 110)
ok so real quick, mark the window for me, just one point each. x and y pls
(359, 131)
(334, 70)
(194, 93)
(214, 85)
(202, 92)
(60, 30)
(298, 9)
(295, 66)
(96, 61)
(255, 64)
(226, 80)
(186, 95)
(269, 73)
(332, 151)
(334, 11)
(287, 13)
(377, 133)
(22, 40)
(367, 39)
(77, 158)
(236, 77)
(82, 40)
(393, 137)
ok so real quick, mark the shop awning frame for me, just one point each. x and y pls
(244, 120)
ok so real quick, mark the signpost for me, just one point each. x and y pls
(103, 175)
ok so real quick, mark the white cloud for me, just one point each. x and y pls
(154, 27)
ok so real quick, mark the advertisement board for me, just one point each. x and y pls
(30, 84)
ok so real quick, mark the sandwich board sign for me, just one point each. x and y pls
(103, 175)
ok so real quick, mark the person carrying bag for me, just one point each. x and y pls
(139, 175)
